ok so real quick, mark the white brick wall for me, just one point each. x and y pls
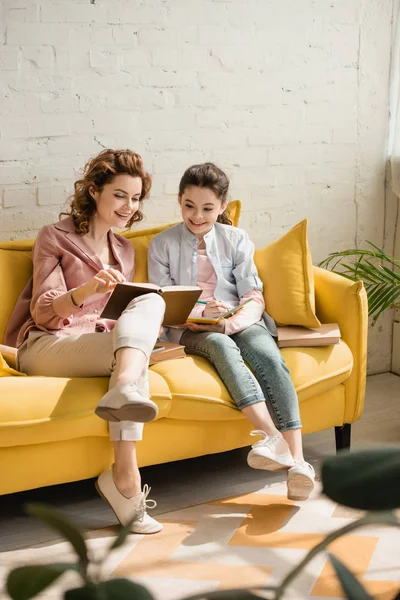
(290, 98)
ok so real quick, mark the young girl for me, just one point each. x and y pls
(205, 250)
(56, 323)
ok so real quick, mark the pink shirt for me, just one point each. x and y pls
(207, 281)
(62, 261)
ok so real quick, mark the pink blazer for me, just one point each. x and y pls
(62, 261)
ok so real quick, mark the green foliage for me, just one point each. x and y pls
(379, 272)
(116, 589)
(350, 584)
(25, 582)
(367, 480)
(60, 523)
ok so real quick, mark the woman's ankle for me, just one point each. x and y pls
(128, 482)
(127, 486)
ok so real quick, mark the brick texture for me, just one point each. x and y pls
(290, 98)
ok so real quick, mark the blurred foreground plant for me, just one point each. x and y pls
(368, 480)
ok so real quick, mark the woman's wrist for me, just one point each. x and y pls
(80, 294)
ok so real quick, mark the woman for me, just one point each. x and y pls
(56, 323)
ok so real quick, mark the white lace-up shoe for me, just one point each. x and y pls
(126, 402)
(271, 453)
(126, 508)
(300, 481)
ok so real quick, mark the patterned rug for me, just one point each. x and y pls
(248, 540)
(255, 539)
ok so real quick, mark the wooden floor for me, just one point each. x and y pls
(197, 480)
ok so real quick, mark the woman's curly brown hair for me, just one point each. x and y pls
(209, 176)
(98, 172)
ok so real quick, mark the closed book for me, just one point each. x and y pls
(166, 351)
(179, 300)
(291, 336)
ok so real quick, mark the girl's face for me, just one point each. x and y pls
(118, 201)
(200, 209)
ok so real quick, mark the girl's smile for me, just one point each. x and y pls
(200, 209)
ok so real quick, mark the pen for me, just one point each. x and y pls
(201, 302)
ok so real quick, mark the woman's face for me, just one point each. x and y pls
(118, 201)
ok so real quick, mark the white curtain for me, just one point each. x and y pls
(394, 106)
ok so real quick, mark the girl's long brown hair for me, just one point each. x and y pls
(209, 176)
(98, 172)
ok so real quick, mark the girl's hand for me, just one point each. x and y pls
(217, 328)
(215, 309)
(105, 281)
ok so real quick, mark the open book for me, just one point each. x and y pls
(328, 333)
(214, 320)
(179, 300)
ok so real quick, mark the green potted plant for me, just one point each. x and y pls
(379, 272)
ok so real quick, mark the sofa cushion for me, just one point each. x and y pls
(15, 272)
(6, 370)
(34, 410)
(286, 270)
(199, 394)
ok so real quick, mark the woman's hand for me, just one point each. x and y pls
(105, 281)
(215, 309)
(217, 328)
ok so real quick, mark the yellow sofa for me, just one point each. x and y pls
(49, 433)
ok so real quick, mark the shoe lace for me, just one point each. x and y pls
(146, 503)
(267, 440)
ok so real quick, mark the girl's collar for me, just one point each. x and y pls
(207, 236)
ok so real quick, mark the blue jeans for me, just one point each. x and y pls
(271, 381)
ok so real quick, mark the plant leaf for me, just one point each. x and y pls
(122, 535)
(350, 584)
(121, 589)
(235, 594)
(62, 524)
(86, 592)
(367, 480)
(115, 589)
(386, 300)
(25, 582)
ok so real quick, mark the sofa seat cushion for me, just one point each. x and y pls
(318, 369)
(198, 394)
(35, 410)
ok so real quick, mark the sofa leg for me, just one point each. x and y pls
(343, 437)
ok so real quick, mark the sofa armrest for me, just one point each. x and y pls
(10, 355)
(339, 300)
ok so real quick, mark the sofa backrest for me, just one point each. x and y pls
(16, 263)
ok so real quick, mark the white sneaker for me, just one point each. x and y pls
(126, 402)
(271, 453)
(126, 508)
(300, 481)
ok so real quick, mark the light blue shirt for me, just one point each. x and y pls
(172, 260)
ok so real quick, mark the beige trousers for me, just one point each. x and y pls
(92, 354)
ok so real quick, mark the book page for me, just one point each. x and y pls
(179, 288)
(150, 286)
